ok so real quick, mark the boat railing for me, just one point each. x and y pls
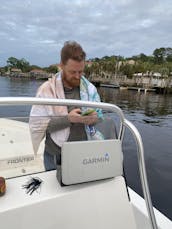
(124, 123)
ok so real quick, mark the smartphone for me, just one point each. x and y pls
(87, 112)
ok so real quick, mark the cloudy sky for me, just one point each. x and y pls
(36, 29)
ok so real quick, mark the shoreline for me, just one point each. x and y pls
(122, 85)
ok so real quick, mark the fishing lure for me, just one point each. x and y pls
(32, 185)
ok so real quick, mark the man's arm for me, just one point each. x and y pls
(58, 123)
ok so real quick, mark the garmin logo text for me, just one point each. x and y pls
(96, 160)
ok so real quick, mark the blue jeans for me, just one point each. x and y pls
(50, 161)
(53, 162)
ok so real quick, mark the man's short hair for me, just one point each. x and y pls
(72, 50)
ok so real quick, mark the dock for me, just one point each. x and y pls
(139, 89)
(142, 84)
(109, 85)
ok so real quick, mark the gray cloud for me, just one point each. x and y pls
(36, 30)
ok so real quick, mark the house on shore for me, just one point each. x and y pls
(39, 74)
(15, 70)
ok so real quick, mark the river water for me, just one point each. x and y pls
(150, 113)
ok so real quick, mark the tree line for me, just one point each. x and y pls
(25, 66)
(160, 61)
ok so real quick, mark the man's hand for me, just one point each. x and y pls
(75, 116)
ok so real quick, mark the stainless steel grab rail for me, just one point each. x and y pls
(142, 170)
(6, 101)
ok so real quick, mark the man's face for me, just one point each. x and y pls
(72, 72)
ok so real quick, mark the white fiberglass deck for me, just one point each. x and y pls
(96, 205)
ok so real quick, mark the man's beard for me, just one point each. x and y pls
(71, 82)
